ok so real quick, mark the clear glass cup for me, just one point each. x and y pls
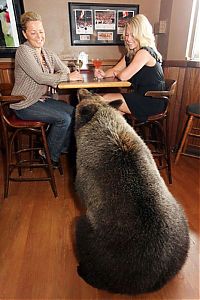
(97, 62)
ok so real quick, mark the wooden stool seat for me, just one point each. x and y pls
(194, 109)
(191, 131)
(14, 121)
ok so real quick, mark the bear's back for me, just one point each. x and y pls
(134, 236)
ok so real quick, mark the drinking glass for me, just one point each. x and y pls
(97, 62)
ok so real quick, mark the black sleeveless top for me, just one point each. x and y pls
(148, 78)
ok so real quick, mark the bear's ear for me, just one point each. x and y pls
(116, 103)
(83, 93)
(85, 114)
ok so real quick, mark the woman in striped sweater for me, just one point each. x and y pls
(36, 71)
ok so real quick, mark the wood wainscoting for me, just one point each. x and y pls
(7, 72)
(187, 74)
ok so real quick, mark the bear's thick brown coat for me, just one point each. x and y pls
(134, 236)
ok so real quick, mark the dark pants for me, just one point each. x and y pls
(58, 115)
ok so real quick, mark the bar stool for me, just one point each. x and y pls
(17, 154)
(155, 130)
(191, 131)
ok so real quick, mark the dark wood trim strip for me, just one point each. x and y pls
(181, 63)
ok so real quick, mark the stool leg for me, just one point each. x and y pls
(185, 136)
(6, 165)
(50, 168)
(17, 146)
(60, 167)
(6, 176)
(159, 135)
(168, 150)
(31, 153)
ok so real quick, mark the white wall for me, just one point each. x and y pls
(179, 27)
(56, 22)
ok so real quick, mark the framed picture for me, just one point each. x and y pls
(99, 23)
(10, 31)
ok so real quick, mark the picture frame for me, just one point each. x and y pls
(10, 30)
(99, 23)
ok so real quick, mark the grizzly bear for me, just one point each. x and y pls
(133, 237)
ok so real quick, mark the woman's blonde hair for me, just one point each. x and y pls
(142, 32)
(29, 16)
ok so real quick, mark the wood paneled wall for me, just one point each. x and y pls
(188, 78)
(7, 72)
(187, 75)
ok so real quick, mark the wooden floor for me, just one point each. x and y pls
(36, 254)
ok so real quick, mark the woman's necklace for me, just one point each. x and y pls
(43, 60)
(45, 66)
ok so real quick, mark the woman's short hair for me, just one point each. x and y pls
(29, 16)
(142, 31)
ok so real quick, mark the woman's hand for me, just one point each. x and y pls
(75, 76)
(99, 73)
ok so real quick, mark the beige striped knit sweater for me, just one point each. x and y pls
(31, 78)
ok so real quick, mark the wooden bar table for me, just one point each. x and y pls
(90, 82)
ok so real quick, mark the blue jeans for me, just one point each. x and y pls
(58, 115)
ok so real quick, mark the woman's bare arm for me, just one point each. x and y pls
(120, 66)
(141, 58)
(99, 73)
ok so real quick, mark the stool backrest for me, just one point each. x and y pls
(5, 100)
(6, 89)
(5, 94)
(170, 85)
(167, 93)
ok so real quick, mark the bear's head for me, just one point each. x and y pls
(89, 105)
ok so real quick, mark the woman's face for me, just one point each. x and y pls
(130, 41)
(35, 33)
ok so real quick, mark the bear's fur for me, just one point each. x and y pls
(134, 236)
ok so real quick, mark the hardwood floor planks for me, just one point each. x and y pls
(37, 259)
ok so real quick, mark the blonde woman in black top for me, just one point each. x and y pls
(142, 66)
